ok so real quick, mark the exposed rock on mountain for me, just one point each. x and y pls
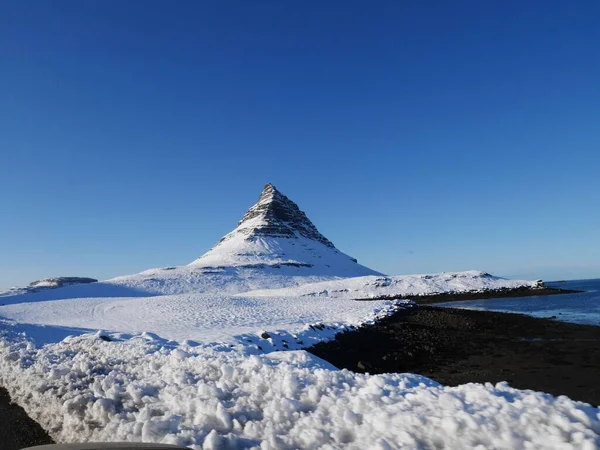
(275, 215)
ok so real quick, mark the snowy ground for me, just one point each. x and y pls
(201, 317)
(87, 389)
(185, 359)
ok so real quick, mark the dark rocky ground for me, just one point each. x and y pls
(455, 346)
(464, 296)
(17, 430)
(506, 293)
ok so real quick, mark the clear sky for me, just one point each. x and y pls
(418, 136)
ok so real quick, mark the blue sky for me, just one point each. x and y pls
(418, 137)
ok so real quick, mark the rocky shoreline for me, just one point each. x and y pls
(444, 297)
(503, 293)
(455, 346)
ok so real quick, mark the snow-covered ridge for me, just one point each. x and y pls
(47, 283)
(360, 288)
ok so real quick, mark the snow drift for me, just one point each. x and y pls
(86, 388)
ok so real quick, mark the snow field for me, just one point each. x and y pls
(203, 317)
(87, 389)
(186, 303)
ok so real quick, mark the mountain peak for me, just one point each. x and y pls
(275, 215)
(270, 195)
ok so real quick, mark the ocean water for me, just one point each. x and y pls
(581, 308)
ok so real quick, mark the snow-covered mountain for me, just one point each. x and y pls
(275, 245)
(276, 233)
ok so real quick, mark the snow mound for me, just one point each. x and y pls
(89, 389)
(361, 288)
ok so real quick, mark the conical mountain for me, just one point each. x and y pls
(275, 233)
(276, 215)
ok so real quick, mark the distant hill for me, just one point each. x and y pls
(47, 283)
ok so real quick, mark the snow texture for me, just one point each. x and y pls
(86, 388)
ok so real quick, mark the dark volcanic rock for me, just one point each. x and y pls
(454, 346)
(280, 217)
(17, 430)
